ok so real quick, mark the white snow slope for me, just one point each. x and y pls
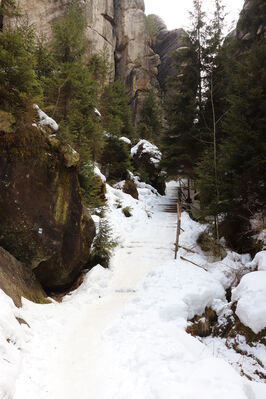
(121, 335)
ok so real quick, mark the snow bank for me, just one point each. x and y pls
(45, 120)
(259, 261)
(10, 342)
(149, 148)
(250, 295)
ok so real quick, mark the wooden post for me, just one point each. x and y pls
(179, 209)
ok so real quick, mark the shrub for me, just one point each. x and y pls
(103, 246)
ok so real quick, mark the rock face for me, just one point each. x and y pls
(136, 63)
(42, 222)
(100, 14)
(117, 29)
(252, 21)
(18, 280)
(165, 43)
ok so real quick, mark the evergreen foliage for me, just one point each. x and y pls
(91, 187)
(242, 152)
(18, 81)
(103, 245)
(150, 125)
(115, 158)
(116, 114)
(179, 143)
(216, 117)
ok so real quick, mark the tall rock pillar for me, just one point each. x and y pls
(136, 63)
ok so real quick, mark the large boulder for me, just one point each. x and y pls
(146, 159)
(18, 280)
(42, 221)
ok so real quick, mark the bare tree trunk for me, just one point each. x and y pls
(216, 222)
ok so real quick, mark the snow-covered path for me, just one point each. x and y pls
(121, 335)
(86, 362)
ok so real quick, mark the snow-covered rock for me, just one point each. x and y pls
(259, 261)
(145, 147)
(250, 296)
(45, 120)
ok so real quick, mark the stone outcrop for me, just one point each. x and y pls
(146, 161)
(252, 20)
(18, 280)
(165, 43)
(136, 63)
(100, 15)
(117, 29)
(42, 221)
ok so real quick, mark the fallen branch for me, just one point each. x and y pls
(195, 264)
(187, 249)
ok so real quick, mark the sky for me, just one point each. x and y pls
(175, 12)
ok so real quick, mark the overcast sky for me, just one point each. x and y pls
(175, 12)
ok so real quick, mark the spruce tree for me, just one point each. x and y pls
(18, 81)
(103, 245)
(179, 142)
(243, 150)
(116, 113)
(150, 125)
(208, 175)
(71, 92)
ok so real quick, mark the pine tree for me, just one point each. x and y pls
(116, 113)
(243, 150)
(197, 35)
(150, 125)
(115, 158)
(208, 178)
(179, 142)
(71, 92)
(18, 81)
(103, 245)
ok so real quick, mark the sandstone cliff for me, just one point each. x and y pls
(136, 62)
(117, 29)
(164, 43)
(252, 20)
(100, 15)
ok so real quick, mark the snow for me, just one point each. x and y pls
(10, 341)
(259, 261)
(250, 295)
(45, 120)
(97, 112)
(98, 173)
(122, 333)
(148, 147)
(125, 140)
